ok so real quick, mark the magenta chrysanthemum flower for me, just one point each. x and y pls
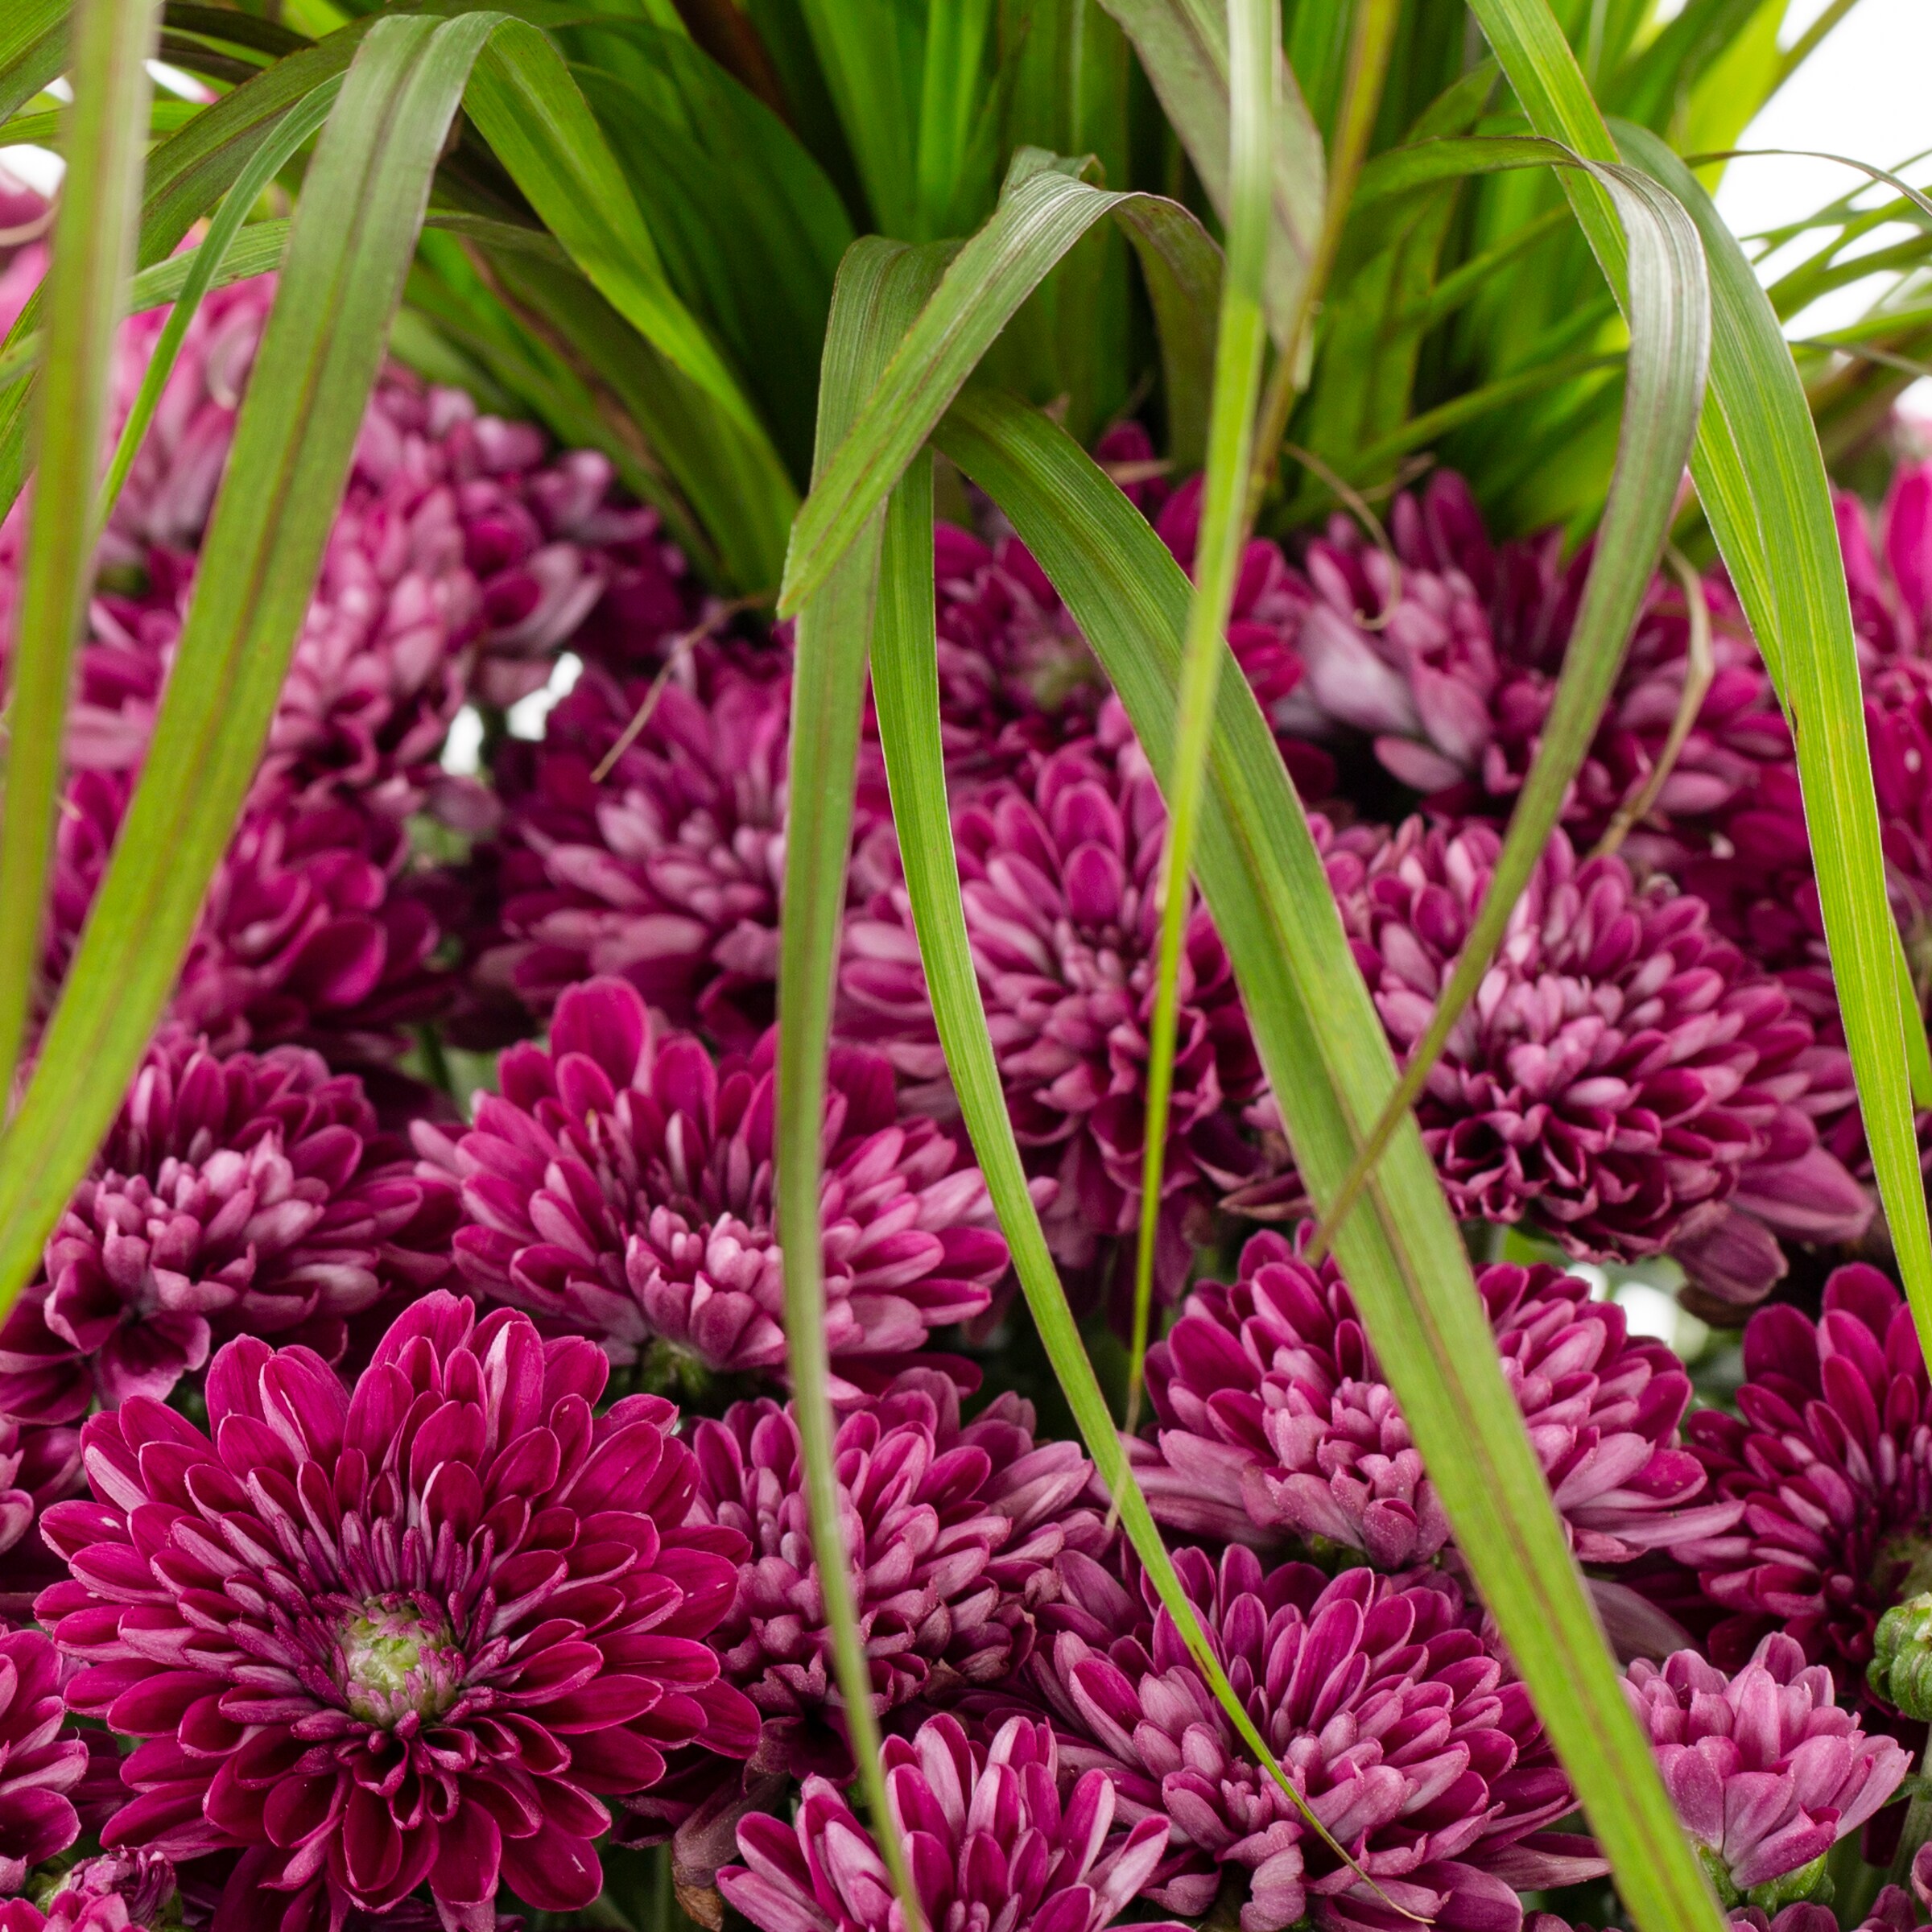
(250, 1195)
(1831, 1454)
(620, 1186)
(1451, 669)
(1058, 877)
(666, 872)
(952, 1532)
(408, 1636)
(1275, 1418)
(1406, 1738)
(1623, 1078)
(992, 1845)
(44, 1767)
(118, 1892)
(1766, 1772)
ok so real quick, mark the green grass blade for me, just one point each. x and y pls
(33, 49)
(1184, 47)
(88, 275)
(204, 266)
(1670, 306)
(1253, 28)
(1328, 1058)
(1761, 478)
(349, 248)
(1042, 212)
(879, 289)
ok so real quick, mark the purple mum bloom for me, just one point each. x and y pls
(1275, 1418)
(1830, 1453)
(44, 1767)
(620, 1186)
(1454, 687)
(666, 872)
(253, 1194)
(1057, 877)
(1766, 1772)
(991, 1845)
(1623, 1077)
(407, 1635)
(118, 1892)
(952, 1531)
(1405, 1736)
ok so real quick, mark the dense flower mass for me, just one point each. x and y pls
(992, 1845)
(1831, 1454)
(44, 1764)
(1276, 1420)
(1057, 879)
(1766, 1771)
(952, 1530)
(1406, 1738)
(620, 1186)
(411, 1635)
(255, 1194)
(1624, 1078)
(118, 1892)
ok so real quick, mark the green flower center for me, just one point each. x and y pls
(394, 1661)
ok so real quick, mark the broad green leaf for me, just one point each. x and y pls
(1327, 1059)
(87, 281)
(33, 48)
(1041, 213)
(1253, 67)
(350, 248)
(204, 265)
(881, 288)
(1183, 48)
(1761, 479)
(1670, 304)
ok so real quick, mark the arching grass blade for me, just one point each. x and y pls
(88, 275)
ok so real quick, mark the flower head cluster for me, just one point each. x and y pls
(1831, 1454)
(1406, 1738)
(1276, 1420)
(645, 839)
(952, 1531)
(1623, 1078)
(992, 1845)
(1059, 881)
(250, 1195)
(620, 1186)
(1766, 1771)
(1446, 655)
(409, 1635)
(116, 1891)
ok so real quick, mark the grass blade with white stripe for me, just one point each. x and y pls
(1328, 1058)
(87, 282)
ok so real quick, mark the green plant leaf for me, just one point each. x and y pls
(33, 49)
(1253, 66)
(1761, 479)
(348, 252)
(881, 288)
(1042, 212)
(1327, 1059)
(87, 280)
(1183, 49)
(1670, 306)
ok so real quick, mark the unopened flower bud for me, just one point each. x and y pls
(1901, 1669)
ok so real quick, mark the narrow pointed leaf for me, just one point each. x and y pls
(880, 288)
(87, 277)
(1670, 304)
(1761, 478)
(1183, 49)
(1328, 1060)
(1041, 213)
(33, 49)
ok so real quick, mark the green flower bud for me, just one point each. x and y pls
(1901, 1669)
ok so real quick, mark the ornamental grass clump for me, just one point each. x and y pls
(961, 970)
